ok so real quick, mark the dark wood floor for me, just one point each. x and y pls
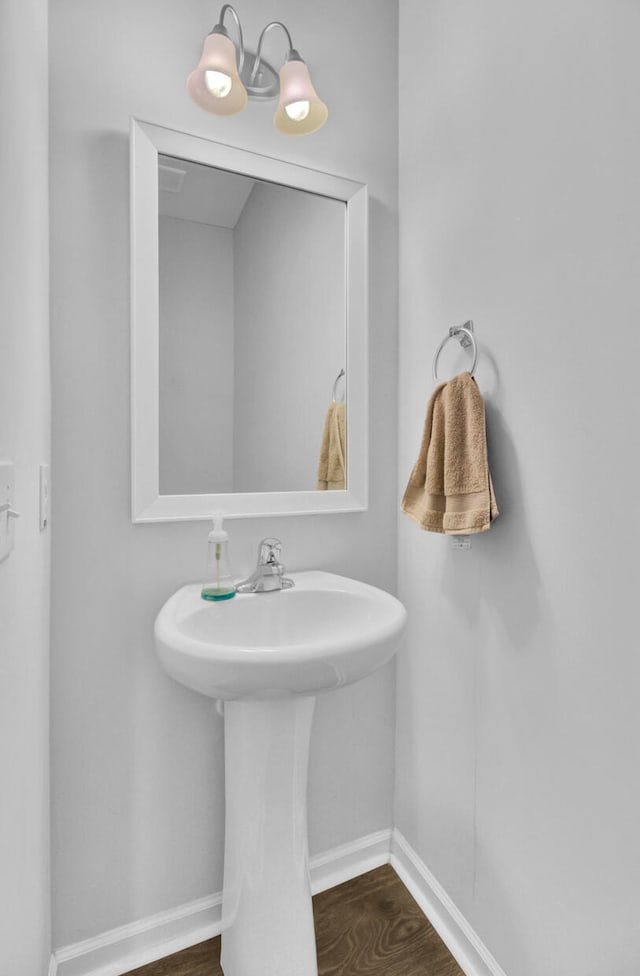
(370, 926)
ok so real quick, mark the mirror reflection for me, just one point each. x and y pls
(252, 334)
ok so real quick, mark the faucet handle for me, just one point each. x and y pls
(269, 552)
(268, 575)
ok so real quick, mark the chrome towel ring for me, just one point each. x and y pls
(464, 335)
(335, 387)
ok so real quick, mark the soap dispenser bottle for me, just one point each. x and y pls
(219, 583)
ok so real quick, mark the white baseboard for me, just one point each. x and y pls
(465, 946)
(349, 860)
(129, 946)
(119, 950)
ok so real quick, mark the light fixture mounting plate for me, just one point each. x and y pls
(266, 85)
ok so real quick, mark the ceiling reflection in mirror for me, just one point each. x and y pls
(252, 334)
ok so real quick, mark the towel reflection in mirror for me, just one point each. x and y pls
(332, 467)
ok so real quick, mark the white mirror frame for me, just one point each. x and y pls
(148, 505)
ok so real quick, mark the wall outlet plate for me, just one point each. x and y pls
(7, 523)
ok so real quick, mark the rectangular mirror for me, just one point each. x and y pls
(248, 333)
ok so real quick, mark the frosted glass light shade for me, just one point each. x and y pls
(296, 87)
(218, 55)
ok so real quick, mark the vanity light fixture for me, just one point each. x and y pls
(226, 76)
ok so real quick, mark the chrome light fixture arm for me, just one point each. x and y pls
(256, 65)
(234, 13)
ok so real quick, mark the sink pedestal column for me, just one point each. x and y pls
(267, 917)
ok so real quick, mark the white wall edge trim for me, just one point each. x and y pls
(460, 939)
(124, 948)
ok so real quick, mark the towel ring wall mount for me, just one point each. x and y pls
(466, 338)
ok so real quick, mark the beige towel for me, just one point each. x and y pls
(450, 487)
(332, 469)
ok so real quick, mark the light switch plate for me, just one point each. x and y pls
(7, 488)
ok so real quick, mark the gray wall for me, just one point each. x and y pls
(196, 357)
(518, 721)
(24, 439)
(290, 334)
(137, 760)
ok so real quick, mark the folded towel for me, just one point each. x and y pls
(450, 487)
(332, 469)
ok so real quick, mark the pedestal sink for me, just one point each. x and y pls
(267, 655)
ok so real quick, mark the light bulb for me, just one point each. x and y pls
(297, 111)
(218, 83)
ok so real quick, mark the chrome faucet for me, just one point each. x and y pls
(269, 573)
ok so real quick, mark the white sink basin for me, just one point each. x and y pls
(325, 632)
(268, 655)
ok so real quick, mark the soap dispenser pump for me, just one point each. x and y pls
(219, 583)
